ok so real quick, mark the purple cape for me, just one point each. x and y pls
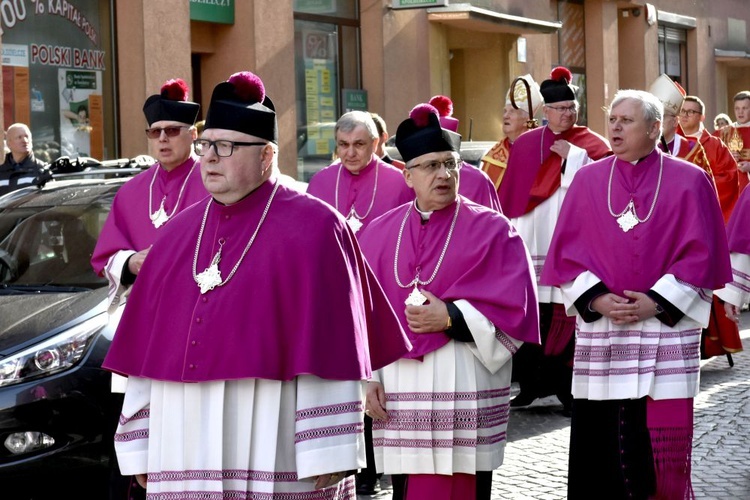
(128, 226)
(738, 227)
(477, 186)
(357, 190)
(684, 237)
(303, 300)
(486, 264)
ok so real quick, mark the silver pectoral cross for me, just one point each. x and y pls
(159, 217)
(628, 220)
(211, 277)
(415, 298)
(354, 223)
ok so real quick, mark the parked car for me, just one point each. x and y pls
(57, 413)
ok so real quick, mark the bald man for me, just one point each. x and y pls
(20, 167)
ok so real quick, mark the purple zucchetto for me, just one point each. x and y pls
(171, 104)
(421, 133)
(241, 104)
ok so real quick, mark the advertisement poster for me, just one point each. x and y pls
(320, 93)
(54, 62)
(78, 91)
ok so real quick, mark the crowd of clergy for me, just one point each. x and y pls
(275, 343)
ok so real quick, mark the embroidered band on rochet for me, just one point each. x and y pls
(334, 409)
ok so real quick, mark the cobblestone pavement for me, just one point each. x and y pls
(536, 455)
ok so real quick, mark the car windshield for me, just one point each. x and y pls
(46, 239)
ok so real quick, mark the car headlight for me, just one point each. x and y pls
(53, 355)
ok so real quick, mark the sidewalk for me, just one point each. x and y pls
(536, 455)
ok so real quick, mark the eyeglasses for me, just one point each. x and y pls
(155, 133)
(222, 148)
(430, 167)
(689, 112)
(564, 109)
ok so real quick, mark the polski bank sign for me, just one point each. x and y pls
(212, 11)
(414, 4)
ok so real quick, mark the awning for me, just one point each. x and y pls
(466, 16)
(732, 57)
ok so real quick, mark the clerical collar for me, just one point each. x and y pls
(425, 216)
(636, 162)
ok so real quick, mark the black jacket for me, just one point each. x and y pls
(17, 175)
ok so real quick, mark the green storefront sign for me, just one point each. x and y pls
(354, 100)
(212, 11)
(80, 80)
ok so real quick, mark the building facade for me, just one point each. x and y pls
(78, 71)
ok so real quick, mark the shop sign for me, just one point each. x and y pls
(15, 55)
(354, 100)
(212, 11)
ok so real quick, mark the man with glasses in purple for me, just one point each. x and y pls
(147, 202)
(541, 166)
(251, 331)
(460, 280)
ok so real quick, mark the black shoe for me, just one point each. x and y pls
(366, 486)
(523, 399)
(567, 402)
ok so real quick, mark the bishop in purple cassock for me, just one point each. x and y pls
(460, 280)
(144, 204)
(637, 250)
(251, 330)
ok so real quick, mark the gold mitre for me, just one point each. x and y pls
(520, 94)
(669, 93)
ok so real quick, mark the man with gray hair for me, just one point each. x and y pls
(639, 280)
(359, 184)
(20, 167)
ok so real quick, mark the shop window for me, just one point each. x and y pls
(58, 76)
(327, 60)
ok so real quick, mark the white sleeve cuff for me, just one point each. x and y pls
(694, 302)
(737, 292)
(492, 347)
(113, 271)
(573, 290)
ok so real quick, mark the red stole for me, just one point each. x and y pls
(548, 178)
